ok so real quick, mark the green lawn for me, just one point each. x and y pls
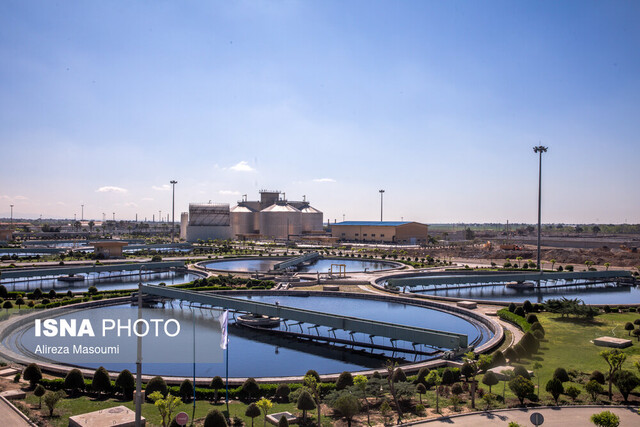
(70, 406)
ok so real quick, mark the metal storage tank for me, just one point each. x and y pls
(311, 219)
(280, 221)
(244, 220)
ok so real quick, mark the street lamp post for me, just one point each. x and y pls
(173, 208)
(539, 149)
(11, 216)
(138, 417)
(381, 194)
(82, 214)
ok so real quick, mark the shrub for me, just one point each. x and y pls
(282, 392)
(33, 374)
(511, 354)
(348, 405)
(101, 382)
(561, 374)
(344, 380)
(498, 359)
(92, 290)
(625, 382)
(305, 403)
(629, 327)
(37, 293)
(186, 390)
(252, 412)
(314, 374)
(532, 318)
(74, 381)
(528, 307)
(605, 419)
(39, 392)
(573, 392)
(51, 399)
(456, 389)
(250, 389)
(597, 376)
(530, 343)
(521, 387)
(490, 379)
(399, 375)
(422, 374)
(283, 422)
(522, 371)
(215, 419)
(217, 384)
(511, 307)
(156, 384)
(448, 377)
(555, 388)
(594, 388)
(7, 305)
(126, 383)
(53, 294)
(3, 292)
(16, 378)
(519, 311)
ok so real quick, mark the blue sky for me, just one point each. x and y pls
(437, 102)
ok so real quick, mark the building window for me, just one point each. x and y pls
(342, 234)
(357, 234)
(365, 234)
(373, 235)
(382, 235)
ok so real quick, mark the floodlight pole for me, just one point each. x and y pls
(138, 418)
(11, 216)
(173, 214)
(381, 194)
(539, 149)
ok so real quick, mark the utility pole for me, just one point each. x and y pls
(539, 149)
(381, 194)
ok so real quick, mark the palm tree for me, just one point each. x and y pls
(91, 225)
(552, 261)
(607, 265)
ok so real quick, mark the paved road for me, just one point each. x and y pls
(553, 417)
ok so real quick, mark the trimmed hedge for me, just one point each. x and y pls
(505, 314)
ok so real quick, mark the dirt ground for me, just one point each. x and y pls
(618, 258)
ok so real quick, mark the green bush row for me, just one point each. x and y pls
(505, 314)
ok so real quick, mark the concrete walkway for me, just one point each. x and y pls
(566, 416)
(10, 417)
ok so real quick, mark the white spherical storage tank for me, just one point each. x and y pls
(279, 221)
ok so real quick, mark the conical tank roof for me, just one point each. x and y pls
(277, 207)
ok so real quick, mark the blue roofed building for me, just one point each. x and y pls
(401, 232)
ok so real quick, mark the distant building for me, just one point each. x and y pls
(109, 248)
(412, 233)
(208, 221)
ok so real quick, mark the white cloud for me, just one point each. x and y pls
(147, 199)
(242, 166)
(324, 180)
(131, 205)
(229, 192)
(21, 198)
(165, 187)
(111, 189)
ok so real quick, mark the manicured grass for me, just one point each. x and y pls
(69, 407)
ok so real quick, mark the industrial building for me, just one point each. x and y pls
(412, 233)
(271, 217)
(206, 221)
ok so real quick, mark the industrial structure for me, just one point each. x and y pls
(412, 233)
(271, 217)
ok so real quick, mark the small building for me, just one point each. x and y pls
(119, 416)
(403, 232)
(109, 248)
(6, 234)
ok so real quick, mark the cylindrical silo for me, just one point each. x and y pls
(243, 220)
(311, 219)
(280, 220)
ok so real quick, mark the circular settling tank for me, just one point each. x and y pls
(258, 353)
(321, 265)
(598, 294)
(115, 280)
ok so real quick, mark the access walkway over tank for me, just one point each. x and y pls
(411, 334)
(464, 279)
(296, 261)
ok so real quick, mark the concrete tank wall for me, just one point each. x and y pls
(244, 220)
(311, 220)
